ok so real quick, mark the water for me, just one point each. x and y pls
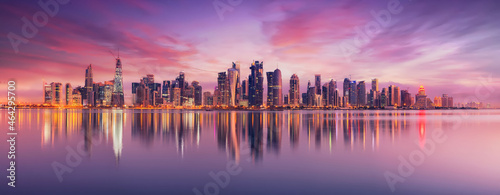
(288, 152)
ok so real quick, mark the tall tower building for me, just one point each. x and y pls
(317, 83)
(57, 89)
(69, 94)
(89, 83)
(238, 94)
(347, 86)
(375, 84)
(270, 95)
(198, 93)
(223, 88)
(277, 88)
(353, 93)
(233, 85)
(118, 97)
(244, 90)
(332, 87)
(361, 93)
(47, 93)
(294, 93)
(256, 84)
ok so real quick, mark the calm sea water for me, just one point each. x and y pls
(240, 152)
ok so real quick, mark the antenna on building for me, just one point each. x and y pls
(118, 52)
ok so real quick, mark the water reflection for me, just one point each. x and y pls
(232, 132)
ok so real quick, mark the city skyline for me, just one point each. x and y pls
(230, 92)
(399, 55)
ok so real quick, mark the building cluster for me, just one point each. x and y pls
(173, 93)
(107, 94)
(231, 91)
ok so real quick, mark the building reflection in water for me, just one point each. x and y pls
(232, 131)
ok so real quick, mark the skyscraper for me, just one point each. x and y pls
(375, 84)
(421, 100)
(391, 96)
(294, 93)
(69, 94)
(89, 84)
(56, 93)
(277, 88)
(198, 93)
(361, 93)
(317, 83)
(347, 86)
(180, 80)
(233, 85)
(270, 90)
(244, 90)
(353, 93)
(332, 87)
(165, 93)
(118, 97)
(397, 96)
(47, 93)
(223, 88)
(238, 95)
(255, 84)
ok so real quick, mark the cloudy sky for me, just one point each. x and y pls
(448, 46)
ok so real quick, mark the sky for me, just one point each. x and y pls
(449, 46)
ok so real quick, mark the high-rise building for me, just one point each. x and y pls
(165, 93)
(244, 90)
(277, 88)
(317, 83)
(294, 93)
(405, 99)
(208, 99)
(197, 93)
(438, 102)
(222, 85)
(347, 86)
(270, 87)
(255, 84)
(181, 84)
(447, 102)
(238, 96)
(361, 93)
(325, 93)
(353, 94)
(57, 90)
(421, 100)
(233, 85)
(375, 85)
(47, 93)
(143, 94)
(391, 95)
(384, 99)
(397, 97)
(76, 97)
(118, 98)
(332, 88)
(134, 93)
(69, 94)
(177, 96)
(89, 84)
